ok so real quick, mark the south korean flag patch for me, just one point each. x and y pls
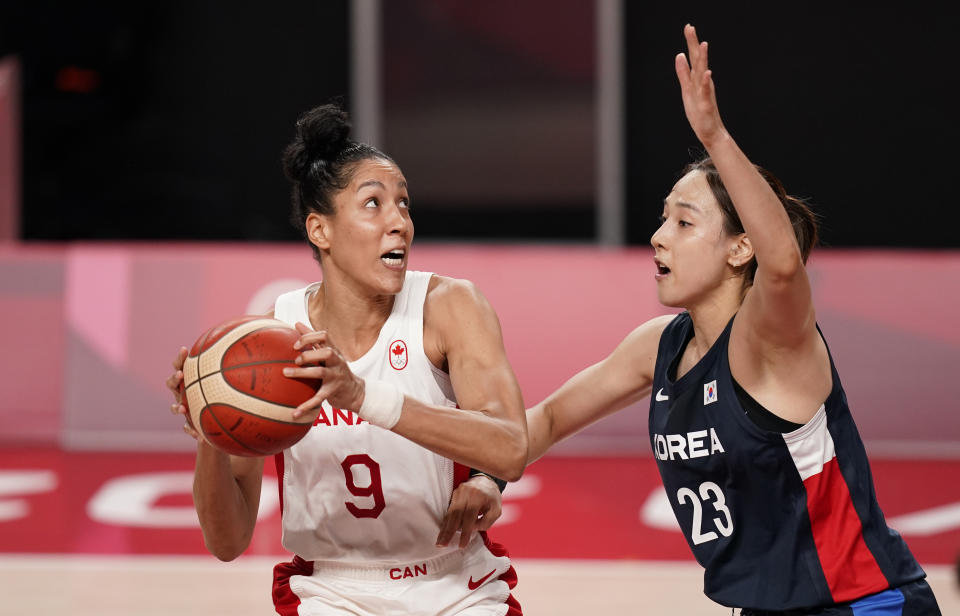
(709, 393)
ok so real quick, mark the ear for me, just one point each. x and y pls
(741, 251)
(318, 230)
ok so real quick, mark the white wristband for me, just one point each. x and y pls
(382, 404)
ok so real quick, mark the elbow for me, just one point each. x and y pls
(226, 552)
(506, 462)
(516, 461)
(514, 474)
(226, 548)
(779, 278)
(784, 269)
(226, 556)
(786, 273)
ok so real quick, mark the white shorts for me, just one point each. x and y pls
(475, 581)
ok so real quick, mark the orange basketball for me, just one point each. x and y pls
(235, 392)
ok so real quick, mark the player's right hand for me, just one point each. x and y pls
(175, 385)
(321, 359)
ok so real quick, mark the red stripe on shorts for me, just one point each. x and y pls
(285, 601)
(509, 576)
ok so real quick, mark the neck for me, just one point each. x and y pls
(351, 314)
(711, 315)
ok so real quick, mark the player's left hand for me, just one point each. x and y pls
(320, 359)
(474, 506)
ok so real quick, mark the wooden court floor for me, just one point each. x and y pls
(203, 586)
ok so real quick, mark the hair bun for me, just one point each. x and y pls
(322, 133)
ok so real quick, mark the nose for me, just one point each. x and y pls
(656, 240)
(398, 221)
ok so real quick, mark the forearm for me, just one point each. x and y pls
(763, 216)
(569, 410)
(621, 379)
(539, 431)
(223, 508)
(478, 439)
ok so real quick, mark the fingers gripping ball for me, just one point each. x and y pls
(236, 394)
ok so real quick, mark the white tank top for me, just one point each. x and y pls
(351, 491)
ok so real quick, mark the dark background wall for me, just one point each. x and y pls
(853, 107)
(166, 120)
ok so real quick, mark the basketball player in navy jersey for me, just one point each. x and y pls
(749, 424)
(416, 390)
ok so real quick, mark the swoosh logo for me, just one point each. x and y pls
(475, 585)
(661, 397)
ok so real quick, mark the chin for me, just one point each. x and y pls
(670, 301)
(665, 299)
(393, 284)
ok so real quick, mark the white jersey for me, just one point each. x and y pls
(356, 493)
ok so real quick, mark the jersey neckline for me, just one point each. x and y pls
(364, 360)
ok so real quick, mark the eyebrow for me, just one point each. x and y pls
(684, 204)
(378, 184)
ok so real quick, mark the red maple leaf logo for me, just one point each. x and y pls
(398, 350)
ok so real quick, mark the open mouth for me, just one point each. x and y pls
(394, 258)
(662, 270)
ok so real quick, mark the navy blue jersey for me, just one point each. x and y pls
(779, 521)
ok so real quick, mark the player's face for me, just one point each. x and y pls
(691, 246)
(368, 238)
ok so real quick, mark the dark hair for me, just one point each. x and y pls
(320, 161)
(802, 218)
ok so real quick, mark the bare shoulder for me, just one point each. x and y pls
(457, 315)
(648, 333)
(455, 301)
(637, 353)
(444, 291)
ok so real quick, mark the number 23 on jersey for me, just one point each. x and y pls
(702, 530)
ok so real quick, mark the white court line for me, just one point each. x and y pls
(928, 521)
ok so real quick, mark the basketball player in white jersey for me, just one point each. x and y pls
(417, 390)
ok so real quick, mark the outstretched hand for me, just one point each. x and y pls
(697, 89)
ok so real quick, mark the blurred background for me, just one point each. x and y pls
(164, 121)
(142, 200)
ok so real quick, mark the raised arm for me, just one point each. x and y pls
(779, 308)
(622, 378)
